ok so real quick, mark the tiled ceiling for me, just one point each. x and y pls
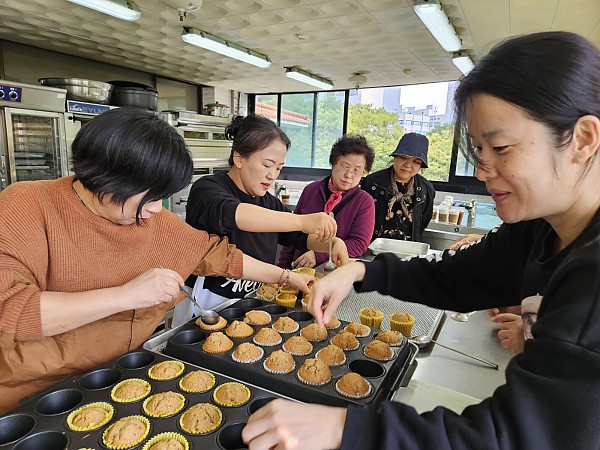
(332, 39)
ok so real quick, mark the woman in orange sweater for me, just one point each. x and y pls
(90, 264)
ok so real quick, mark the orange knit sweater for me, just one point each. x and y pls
(49, 241)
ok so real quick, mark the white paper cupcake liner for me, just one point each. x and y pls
(296, 353)
(333, 365)
(399, 344)
(266, 314)
(262, 353)
(287, 332)
(278, 372)
(355, 397)
(309, 383)
(346, 349)
(379, 359)
(262, 344)
(360, 335)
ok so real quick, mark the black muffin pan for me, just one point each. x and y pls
(385, 377)
(40, 421)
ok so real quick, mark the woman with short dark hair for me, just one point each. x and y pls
(90, 263)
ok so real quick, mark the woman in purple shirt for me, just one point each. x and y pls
(353, 208)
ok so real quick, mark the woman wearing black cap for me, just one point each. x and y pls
(403, 198)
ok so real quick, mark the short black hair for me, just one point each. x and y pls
(126, 151)
(350, 144)
(253, 133)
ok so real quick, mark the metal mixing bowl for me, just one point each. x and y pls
(81, 89)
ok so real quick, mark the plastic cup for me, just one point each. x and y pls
(434, 216)
(285, 199)
(453, 214)
(443, 213)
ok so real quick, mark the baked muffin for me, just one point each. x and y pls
(402, 322)
(267, 337)
(217, 343)
(358, 329)
(222, 323)
(279, 362)
(332, 355)
(239, 329)
(201, 418)
(130, 390)
(306, 270)
(371, 317)
(345, 341)
(391, 338)
(197, 381)
(298, 346)
(167, 441)
(287, 299)
(247, 353)
(314, 333)
(379, 350)
(163, 404)
(255, 317)
(266, 293)
(285, 325)
(166, 370)
(353, 385)
(126, 432)
(90, 416)
(333, 323)
(314, 372)
(231, 394)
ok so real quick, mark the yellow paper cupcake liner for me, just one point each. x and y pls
(164, 436)
(110, 446)
(106, 406)
(306, 270)
(370, 321)
(180, 370)
(206, 431)
(231, 404)
(158, 416)
(403, 327)
(289, 291)
(214, 381)
(288, 303)
(130, 400)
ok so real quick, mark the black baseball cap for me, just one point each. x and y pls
(413, 144)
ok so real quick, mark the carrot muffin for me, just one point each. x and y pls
(231, 394)
(353, 385)
(201, 418)
(166, 370)
(266, 293)
(298, 346)
(217, 343)
(402, 322)
(247, 353)
(197, 381)
(267, 337)
(371, 317)
(257, 317)
(379, 350)
(333, 323)
(239, 329)
(130, 390)
(163, 404)
(286, 299)
(358, 329)
(279, 362)
(315, 372)
(332, 355)
(285, 325)
(391, 338)
(126, 432)
(90, 417)
(222, 323)
(345, 341)
(314, 333)
(167, 441)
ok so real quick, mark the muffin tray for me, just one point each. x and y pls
(40, 421)
(385, 377)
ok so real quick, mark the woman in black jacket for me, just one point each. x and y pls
(403, 198)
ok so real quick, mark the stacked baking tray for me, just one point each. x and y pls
(385, 377)
(40, 421)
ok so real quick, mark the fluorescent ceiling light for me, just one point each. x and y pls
(463, 62)
(435, 19)
(218, 45)
(121, 9)
(308, 78)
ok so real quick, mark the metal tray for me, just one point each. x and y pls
(401, 249)
(385, 377)
(40, 421)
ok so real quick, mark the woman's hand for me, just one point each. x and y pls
(154, 286)
(329, 291)
(300, 281)
(286, 425)
(511, 331)
(307, 259)
(319, 224)
(468, 239)
(339, 252)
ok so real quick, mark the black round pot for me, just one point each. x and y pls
(132, 94)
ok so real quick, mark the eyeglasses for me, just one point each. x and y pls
(353, 171)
